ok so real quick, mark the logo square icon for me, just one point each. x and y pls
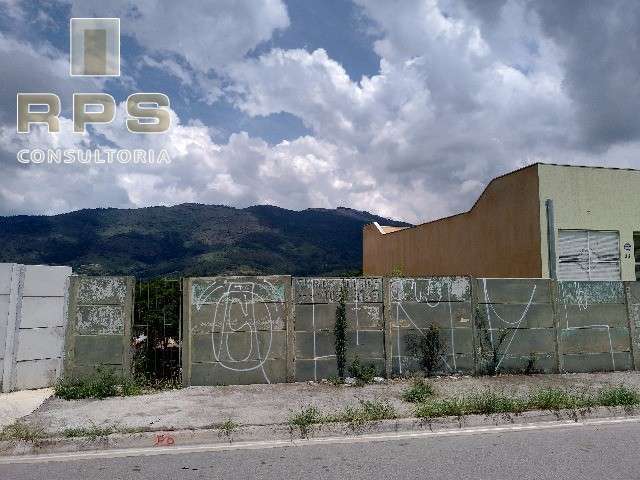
(95, 47)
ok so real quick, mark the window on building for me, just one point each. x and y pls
(588, 255)
(636, 250)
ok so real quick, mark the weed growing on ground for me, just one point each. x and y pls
(366, 411)
(101, 384)
(364, 374)
(22, 431)
(92, 433)
(618, 396)
(487, 403)
(228, 427)
(304, 420)
(418, 392)
(335, 380)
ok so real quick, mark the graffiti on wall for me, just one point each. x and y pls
(583, 295)
(499, 323)
(436, 292)
(243, 316)
(363, 298)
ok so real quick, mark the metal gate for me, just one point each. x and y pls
(157, 330)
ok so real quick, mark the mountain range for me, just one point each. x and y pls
(191, 240)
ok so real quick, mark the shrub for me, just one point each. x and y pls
(418, 392)
(304, 420)
(363, 374)
(617, 396)
(228, 427)
(489, 343)
(101, 384)
(427, 348)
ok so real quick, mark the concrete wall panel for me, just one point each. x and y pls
(37, 373)
(595, 340)
(4, 314)
(237, 330)
(515, 319)
(597, 314)
(528, 340)
(98, 350)
(40, 343)
(209, 317)
(435, 289)
(45, 281)
(100, 320)
(40, 312)
(505, 315)
(414, 304)
(243, 346)
(239, 373)
(538, 363)
(316, 302)
(327, 290)
(589, 293)
(421, 315)
(102, 291)
(100, 316)
(5, 278)
(513, 291)
(33, 324)
(597, 362)
(593, 324)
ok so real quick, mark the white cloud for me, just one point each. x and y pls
(465, 91)
(209, 34)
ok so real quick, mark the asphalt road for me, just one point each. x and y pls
(576, 452)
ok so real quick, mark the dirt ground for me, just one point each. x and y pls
(199, 407)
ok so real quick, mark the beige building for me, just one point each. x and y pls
(585, 219)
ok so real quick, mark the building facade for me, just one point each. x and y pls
(542, 221)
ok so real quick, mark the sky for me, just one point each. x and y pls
(404, 108)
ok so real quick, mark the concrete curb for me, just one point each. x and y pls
(254, 433)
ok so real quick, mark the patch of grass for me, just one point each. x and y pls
(483, 403)
(559, 399)
(93, 432)
(618, 396)
(488, 402)
(101, 384)
(22, 431)
(367, 411)
(447, 407)
(364, 374)
(228, 427)
(418, 392)
(304, 420)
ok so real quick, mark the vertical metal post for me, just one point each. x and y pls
(551, 239)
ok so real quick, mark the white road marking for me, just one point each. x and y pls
(151, 451)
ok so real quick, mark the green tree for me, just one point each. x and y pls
(340, 333)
